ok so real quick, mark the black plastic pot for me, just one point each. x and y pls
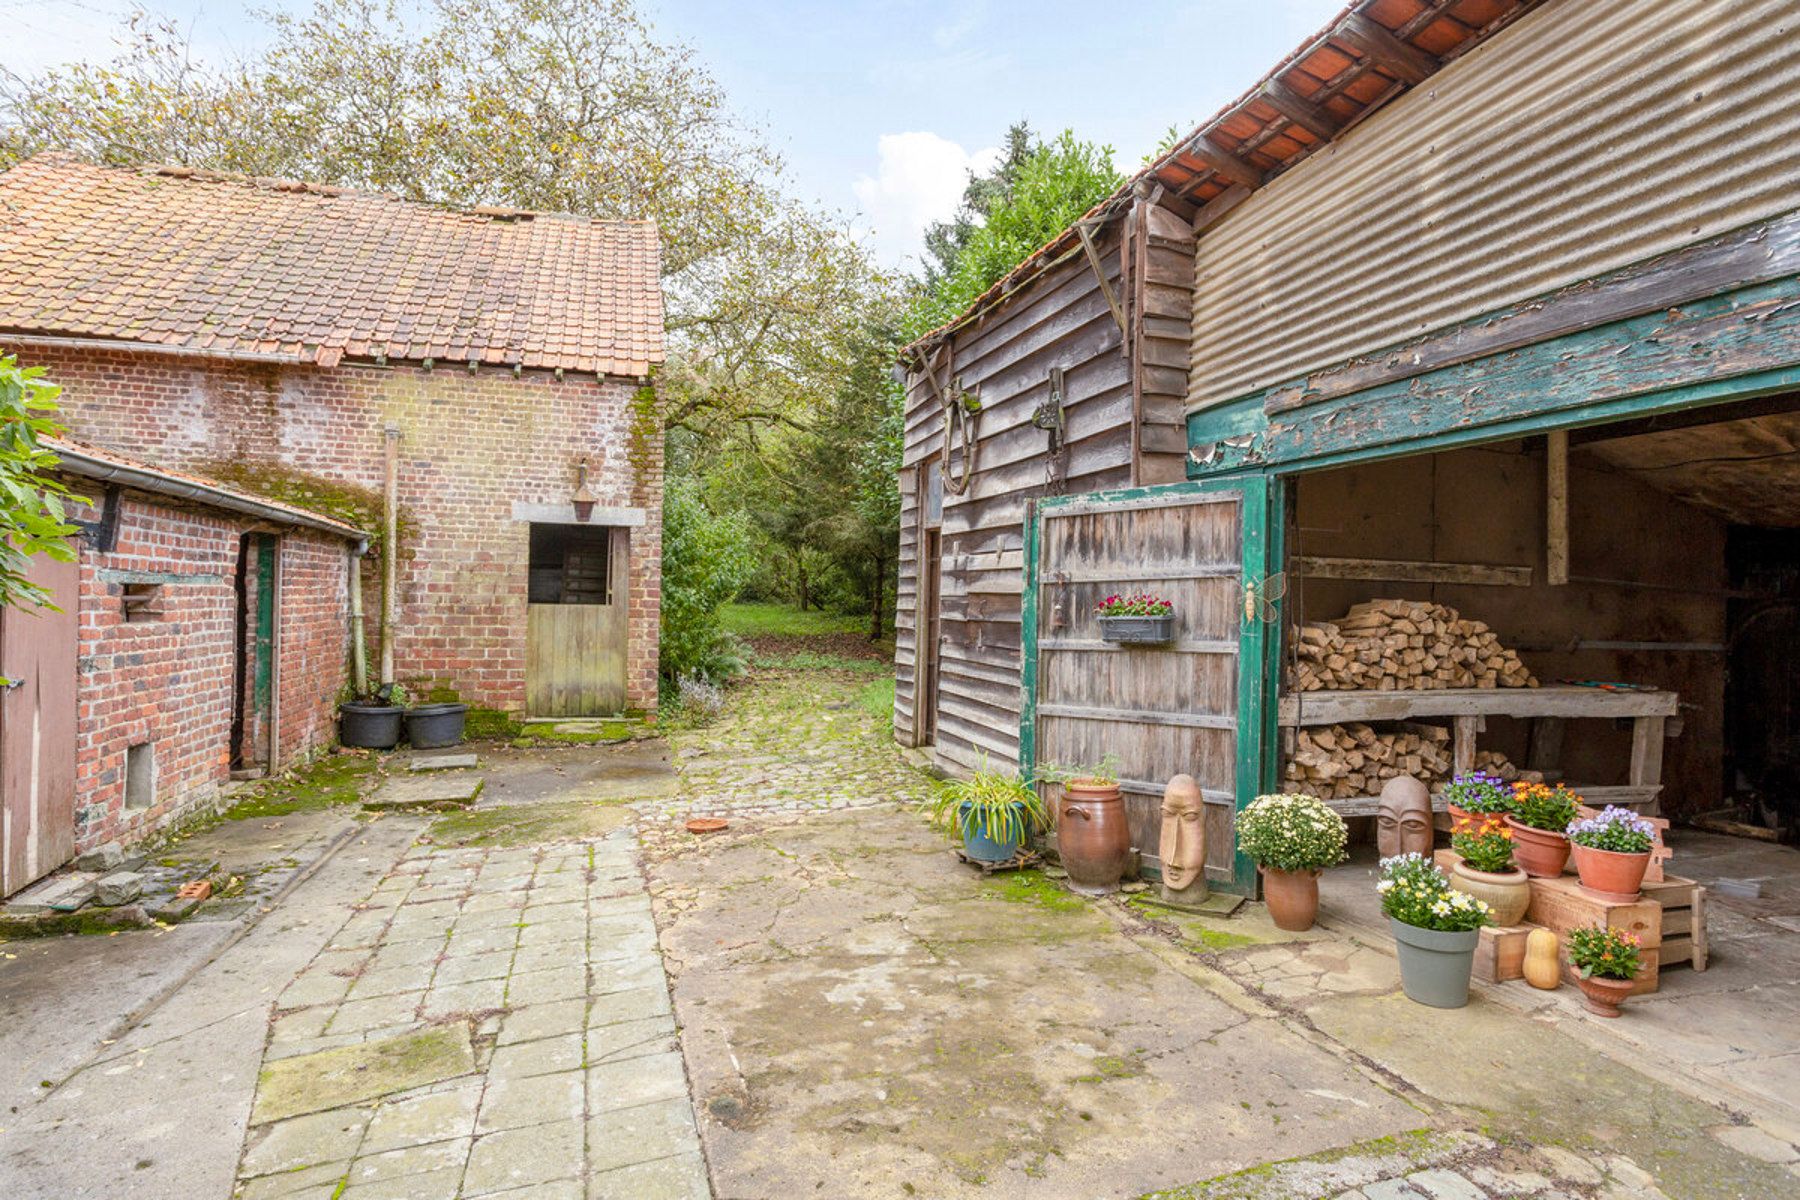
(430, 726)
(371, 726)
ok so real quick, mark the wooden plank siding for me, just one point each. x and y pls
(1123, 425)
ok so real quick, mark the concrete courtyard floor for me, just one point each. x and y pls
(561, 993)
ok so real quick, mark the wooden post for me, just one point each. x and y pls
(1556, 546)
(359, 654)
(1646, 751)
(1462, 750)
(390, 551)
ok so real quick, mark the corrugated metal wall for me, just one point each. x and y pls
(1593, 134)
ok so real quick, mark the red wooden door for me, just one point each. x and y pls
(37, 729)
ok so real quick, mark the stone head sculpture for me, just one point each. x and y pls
(1182, 847)
(1403, 820)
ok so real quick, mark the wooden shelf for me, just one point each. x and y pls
(1335, 708)
(1623, 795)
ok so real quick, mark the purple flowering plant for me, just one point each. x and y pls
(1479, 792)
(1616, 829)
(1134, 606)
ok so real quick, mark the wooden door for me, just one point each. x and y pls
(575, 651)
(1162, 710)
(930, 633)
(37, 729)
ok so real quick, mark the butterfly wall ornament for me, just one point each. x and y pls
(1261, 598)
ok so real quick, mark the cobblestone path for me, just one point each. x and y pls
(490, 1022)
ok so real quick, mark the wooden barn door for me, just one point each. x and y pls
(37, 729)
(1194, 705)
(576, 626)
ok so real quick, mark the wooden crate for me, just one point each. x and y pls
(1500, 954)
(1683, 921)
(1562, 904)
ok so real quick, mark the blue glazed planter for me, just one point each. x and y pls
(979, 846)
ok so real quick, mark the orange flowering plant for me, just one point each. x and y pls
(1485, 842)
(1604, 953)
(1543, 806)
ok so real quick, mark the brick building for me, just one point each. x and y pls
(200, 631)
(226, 343)
(271, 334)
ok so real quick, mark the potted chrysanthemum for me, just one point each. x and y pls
(1292, 838)
(1612, 852)
(1436, 929)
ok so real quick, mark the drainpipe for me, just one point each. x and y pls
(390, 553)
(359, 654)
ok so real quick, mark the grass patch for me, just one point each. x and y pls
(1032, 887)
(878, 699)
(782, 620)
(484, 723)
(330, 781)
(527, 825)
(538, 735)
(1195, 933)
(812, 660)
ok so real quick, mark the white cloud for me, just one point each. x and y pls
(919, 179)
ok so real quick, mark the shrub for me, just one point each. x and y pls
(990, 803)
(1485, 842)
(1479, 792)
(1617, 829)
(1414, 892)
(707, 559)
(1292, 833)
(1606, 953)
(699, 698)
(1544, 807)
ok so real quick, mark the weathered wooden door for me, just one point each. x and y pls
(575, 648)
(37, 729)
(930, 634)
(1179, 708)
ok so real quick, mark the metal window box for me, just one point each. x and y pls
(1138, 631)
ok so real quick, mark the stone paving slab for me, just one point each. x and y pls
(443, 762)
(426, 791)
(538, 968)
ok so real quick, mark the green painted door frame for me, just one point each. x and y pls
(1263, 517)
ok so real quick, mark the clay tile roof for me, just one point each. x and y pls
(191, 259)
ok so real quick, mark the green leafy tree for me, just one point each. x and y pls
(31, 515)
(707, 559)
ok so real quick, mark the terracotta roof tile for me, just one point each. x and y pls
(187, 258)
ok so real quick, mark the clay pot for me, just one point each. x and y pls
(1609, 874)
(1292, 897)
(1604, 996)
(1457, 815)
(1508, 893)
(1540, 853)
(1093, 838)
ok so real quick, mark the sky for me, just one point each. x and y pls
(881, 107)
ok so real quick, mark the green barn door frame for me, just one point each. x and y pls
(1259, 642)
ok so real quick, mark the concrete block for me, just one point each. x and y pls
(109, 857)
(121, 887)
(444, 762)
(427, 791)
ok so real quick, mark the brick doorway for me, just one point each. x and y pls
(575, 634)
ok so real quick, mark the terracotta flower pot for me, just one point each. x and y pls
(1508, 893)
(1604, 996)
(1292, 897)
(1093, 838)
(1609, 874)
(1457, 815)
(1540, 853)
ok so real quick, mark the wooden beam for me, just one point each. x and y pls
(1375, 41)
(1556, 508)
(1224, 162)
(1646, 752)
(1216, 208)
(1405, 571)
(1093, 257)
(1301, 111)
(1139, 716)
(1334, 708)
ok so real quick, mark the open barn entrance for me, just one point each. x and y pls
(1616, 607)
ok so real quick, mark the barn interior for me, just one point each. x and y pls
(1679, 537)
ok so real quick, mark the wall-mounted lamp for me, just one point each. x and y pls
(584, 497)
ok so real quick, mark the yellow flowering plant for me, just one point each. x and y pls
(1484, 841)
(1414, 892)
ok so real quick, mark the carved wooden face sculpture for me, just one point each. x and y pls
(1182, 848)
(1403, 821)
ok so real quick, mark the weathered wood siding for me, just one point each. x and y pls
(1590, 135)
(1123, 426)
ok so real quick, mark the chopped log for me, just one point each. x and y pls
(1392, 645)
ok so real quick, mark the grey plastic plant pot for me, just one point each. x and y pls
(369, 726)
(1138, 631)
(1434, 964)
(430, 726)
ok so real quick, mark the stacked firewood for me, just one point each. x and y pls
(1341, 762)
(1396, 645)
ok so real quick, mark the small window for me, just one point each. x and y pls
(140, 775)
(141, 602)
(571, 564)
(934, 495)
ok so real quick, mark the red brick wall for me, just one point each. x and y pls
(472, 446)
(169, 680)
